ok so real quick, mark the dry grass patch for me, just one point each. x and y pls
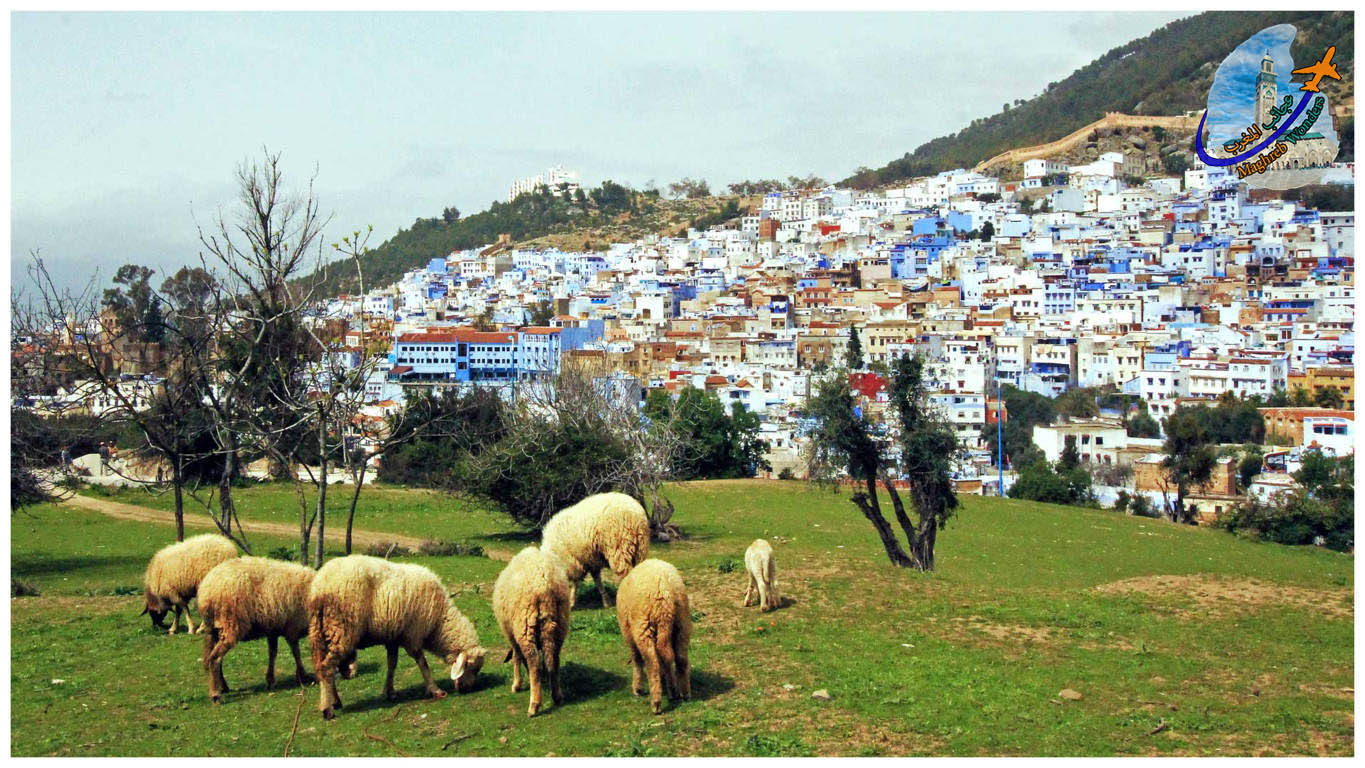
(1215, 596)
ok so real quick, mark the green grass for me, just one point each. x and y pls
(1248, 652)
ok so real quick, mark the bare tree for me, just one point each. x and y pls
(262, 392)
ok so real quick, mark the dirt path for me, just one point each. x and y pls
(123, 511)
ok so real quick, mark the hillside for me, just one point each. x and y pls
(1180, 641)
(585, 222)
(1169, 72)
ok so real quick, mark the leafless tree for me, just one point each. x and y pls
(263, 254)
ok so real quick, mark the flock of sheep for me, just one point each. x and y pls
(358, 601)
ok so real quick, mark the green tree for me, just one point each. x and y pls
(853, 353)
(1249, 466)
(987, 231)
(1023, 410)
(1189, 459)
(1078, 403)
(542, 313)
(1328, 397)
(1142, 424)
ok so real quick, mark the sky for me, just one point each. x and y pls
(1232, 96)
(127, 128)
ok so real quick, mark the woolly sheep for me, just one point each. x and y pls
(173, 576)
(532, 600)
(758, 559)
(656, 622)
(603, 530)
(358, 601)
(250, 597)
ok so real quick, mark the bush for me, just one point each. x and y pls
(385, 549)
(786, 474)
(284, 553)
(1293, 518)
(21, 588)
(728, 565)
(443, 548)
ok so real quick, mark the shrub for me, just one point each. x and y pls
(786, 474)
(21, 588)
(728, 565)
(385, 549)
(284, 553)
(444, 548)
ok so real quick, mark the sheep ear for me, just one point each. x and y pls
(457, 671)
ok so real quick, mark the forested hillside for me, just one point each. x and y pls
(1166, 73)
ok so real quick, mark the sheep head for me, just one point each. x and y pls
(156, 608)
(465, 669)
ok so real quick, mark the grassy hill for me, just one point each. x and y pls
(1166, 73)
(1180, 640)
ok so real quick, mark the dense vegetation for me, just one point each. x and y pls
(1166, 73)
(1320, 510)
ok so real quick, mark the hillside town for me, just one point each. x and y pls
(1166, 291)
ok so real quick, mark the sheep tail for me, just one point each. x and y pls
(317, 635)
(210, 632)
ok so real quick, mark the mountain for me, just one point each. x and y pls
(1168, 72)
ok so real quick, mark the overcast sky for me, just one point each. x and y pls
(128, 127)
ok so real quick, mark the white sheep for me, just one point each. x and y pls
(359, 601)
(250, 597)
(758, 560)
(532, 601)
(656, 622)
(604, 530)
(174, 572)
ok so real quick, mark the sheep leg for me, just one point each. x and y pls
(601, 591)
(637, 669)
(518, 661)
(189, 622)
(421, 659)
(175, 618)
(749, 592)
(388, 678)
(533, 667)
(348, 666)
(684, 678)
(668, 666)
(216, 644)
(272, 645)
(552, 667)
(299, 672)
(651, 655)
(764, 603)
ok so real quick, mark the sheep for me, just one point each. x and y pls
(532, 600)
(173, 576)
(250, 597)
(758, 559)
(603, 530)
(358, 601)
(656, 622)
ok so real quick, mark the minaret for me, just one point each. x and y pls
(1266, 90)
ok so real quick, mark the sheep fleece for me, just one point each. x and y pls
(606, 529)
(358, 601)
(251, 597)
(175, 571)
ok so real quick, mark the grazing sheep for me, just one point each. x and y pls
(532, 600)
(656, 621)
(758, 559)
(358, 601)
(603, 530)
(173, 576)
(250, 597)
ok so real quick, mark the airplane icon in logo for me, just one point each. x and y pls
(1319, 70)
